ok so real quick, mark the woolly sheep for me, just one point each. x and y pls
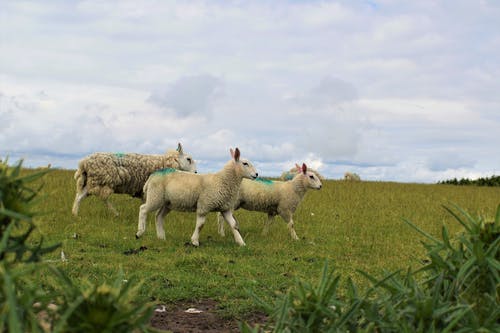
(103, 174)
(168, 190)
(351, 176)
(276, 197)
(288, 175)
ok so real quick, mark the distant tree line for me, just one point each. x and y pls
(489, 181)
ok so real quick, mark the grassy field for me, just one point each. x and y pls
(353, 225)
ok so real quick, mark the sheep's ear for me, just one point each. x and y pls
(237, 155)
(232, 152)
(304, 168)
(179, 148)
(298, 167)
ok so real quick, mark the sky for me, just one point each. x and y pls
(405, 91)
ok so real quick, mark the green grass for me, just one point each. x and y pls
(353, 225)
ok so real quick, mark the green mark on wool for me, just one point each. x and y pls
(264, 181)
(165, 171)
(289, 176)
(120, 155)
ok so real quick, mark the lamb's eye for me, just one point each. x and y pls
(189, 160)
(245, 163)
(311, 176)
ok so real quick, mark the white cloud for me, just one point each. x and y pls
(329, 92)
(449, 160)
(390, 90)
(189, 95)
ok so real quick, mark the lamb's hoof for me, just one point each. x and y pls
(195, 242)
(136, 236)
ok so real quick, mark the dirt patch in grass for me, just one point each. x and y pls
(198, 316)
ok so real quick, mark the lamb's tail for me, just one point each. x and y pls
(145, 190)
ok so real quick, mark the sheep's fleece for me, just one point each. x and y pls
(103, 174)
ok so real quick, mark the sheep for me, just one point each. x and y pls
(276, 197)
(168, 190)
(103, 174)
(351, 176)
(288, 175)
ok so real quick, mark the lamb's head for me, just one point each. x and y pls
(243, 166)
(309, 179)
(186, 162)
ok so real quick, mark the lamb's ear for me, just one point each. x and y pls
(232, 152)
(179, 148)
(304, 168)
(298, 167)
(237, 155)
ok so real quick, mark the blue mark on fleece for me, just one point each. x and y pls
(264, 181)
(165, 171)
(120, 155)
(289, 176)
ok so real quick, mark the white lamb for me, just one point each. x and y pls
(276, 197)
(288, 175)
(181, 191)
(103, 174)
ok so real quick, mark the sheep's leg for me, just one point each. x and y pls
(111, 208)
(200, 221)
(143, 214)
(292, 229)
(104, 193)
(287, 216)
(78, 198)
(220, 222)
(160, 218)
(270, 219)
(228, 216)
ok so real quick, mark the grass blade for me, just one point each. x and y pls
(420, 231)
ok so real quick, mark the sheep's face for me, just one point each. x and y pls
(243, 166)
(187, 163)
(247, 169)
(311, 180)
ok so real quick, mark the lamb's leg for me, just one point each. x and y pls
(160, 218)
(143, 214)
(228, 216)
(287, 216)
(78, 198)
(270, 219)
(200, 221)
(292, 229)
(220, 222)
